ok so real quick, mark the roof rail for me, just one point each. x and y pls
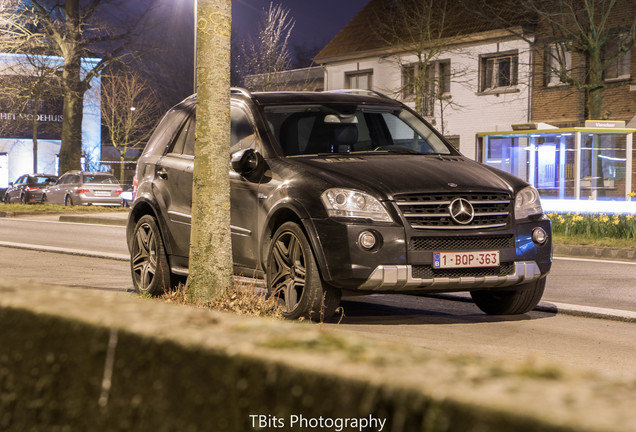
(240, 90)
(359, 92)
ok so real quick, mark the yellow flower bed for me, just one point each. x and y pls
(594, 225)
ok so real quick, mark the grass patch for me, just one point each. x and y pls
(29, 209)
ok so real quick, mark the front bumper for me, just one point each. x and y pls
(399, 278)
(404, 259)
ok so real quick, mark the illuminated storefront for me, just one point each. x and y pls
(17, 147)
(575, 169)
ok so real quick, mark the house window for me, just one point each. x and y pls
(435, 84)
(360, 80)
(619, 60)
(499, 71)
(558, 64)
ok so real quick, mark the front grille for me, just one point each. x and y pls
(428, 272)
(464, 243)
(431, 211)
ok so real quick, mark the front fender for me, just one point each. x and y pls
(288, 210)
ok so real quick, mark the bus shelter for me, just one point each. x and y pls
(590, 167)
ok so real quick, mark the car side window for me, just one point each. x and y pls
(242, 132)
(188, 146)
(184, 142)
(166, 131)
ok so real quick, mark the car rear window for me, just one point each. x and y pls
(100, 179)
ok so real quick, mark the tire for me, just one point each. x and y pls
(293, 277)
(510, 302)
(44, 199)
(68, 201)
(23, 199)
(148, 261)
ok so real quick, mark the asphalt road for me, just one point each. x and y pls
(596, 283)
(54, 235)
(605, 346)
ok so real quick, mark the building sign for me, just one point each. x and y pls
(19, 109)
(604, 124)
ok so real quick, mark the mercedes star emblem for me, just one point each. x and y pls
(461, 211)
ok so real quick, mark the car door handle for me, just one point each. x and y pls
(163, 174)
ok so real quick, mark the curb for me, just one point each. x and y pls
(99, 220)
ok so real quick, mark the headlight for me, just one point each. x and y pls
(527, 203)
(353, 204)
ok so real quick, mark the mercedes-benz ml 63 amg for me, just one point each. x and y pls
(339, 191)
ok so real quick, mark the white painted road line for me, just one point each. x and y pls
(595, 260)
(67, 251)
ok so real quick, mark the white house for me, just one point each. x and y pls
(484, 74)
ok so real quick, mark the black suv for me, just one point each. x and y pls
(338, 191)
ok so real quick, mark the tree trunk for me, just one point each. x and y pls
(71, 149)
(595, 85)
(211, 266)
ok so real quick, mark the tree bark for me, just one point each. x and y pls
(71, 149)
(211, 266)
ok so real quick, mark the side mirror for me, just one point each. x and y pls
(10, 184)
(245, 161)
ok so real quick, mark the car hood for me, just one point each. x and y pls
(390, 175)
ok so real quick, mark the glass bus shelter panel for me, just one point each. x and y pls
(603, 164)
(508, 154)
(554, 160)
(545, 161)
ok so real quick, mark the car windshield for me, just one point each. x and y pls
(320, 129)
(100, 179)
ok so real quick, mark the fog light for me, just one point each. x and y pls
(539, 236)
(367, 240)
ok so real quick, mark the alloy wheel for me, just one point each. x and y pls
(288, 271)
(144, 258)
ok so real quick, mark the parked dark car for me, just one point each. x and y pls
(85, 188)
(338, 191)
(27, 189)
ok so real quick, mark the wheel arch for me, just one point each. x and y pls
(291, 213)
(143, 207)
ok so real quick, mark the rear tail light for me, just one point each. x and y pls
(118, 191)
(135, 184)
(30, 188)
(81, 191)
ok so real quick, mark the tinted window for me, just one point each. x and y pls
(184, 142)
(166, 131)
(242, 133)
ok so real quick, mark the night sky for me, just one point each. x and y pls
(317, 21)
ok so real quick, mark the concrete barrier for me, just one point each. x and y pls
(83, 360)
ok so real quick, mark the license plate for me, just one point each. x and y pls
(102, 193)
(466, 259)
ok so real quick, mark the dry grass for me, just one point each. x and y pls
(245, 298)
